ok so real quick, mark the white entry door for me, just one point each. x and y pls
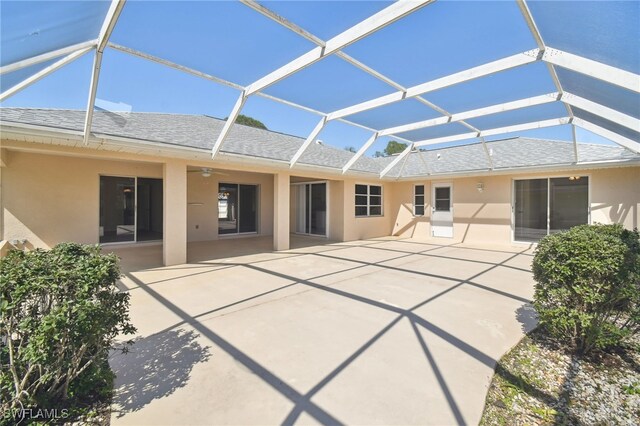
(442, 210)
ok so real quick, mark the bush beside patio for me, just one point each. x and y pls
(60, 313)
(582, 364)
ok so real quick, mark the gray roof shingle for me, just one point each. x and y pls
(199, 131)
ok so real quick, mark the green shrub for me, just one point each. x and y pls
(60, 312)
(588, 285)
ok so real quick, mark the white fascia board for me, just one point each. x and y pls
(594, 69)
(227, 125)
(43, 73)
(612, 136)
(109, 23)
(360, 152)
(440, 83)
(602, 111)
(496, 131)
(479, 112)
(396, 160)
(370, 25)
(310, 139)
(46, 56)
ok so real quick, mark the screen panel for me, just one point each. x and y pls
(31, 28)
(443, 38)
(223, 38)
(605, 31)
(498, 88)
(600, 92)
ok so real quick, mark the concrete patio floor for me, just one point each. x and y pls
(384, 331)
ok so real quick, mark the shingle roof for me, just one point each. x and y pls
(200, 131)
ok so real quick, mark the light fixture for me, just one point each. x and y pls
(574, 177)
(127, 190)
(480, 186)
(206, 172)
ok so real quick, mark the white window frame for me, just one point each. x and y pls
(368, 205)
(424, 199)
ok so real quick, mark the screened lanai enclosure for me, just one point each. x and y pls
(424, 73)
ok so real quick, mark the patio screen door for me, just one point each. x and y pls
(442, 211)
(545, 206)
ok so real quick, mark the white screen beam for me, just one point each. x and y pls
(440, 83)
(496, 131)
(65, 51)
(105, 32)
(43, 73)
(370, 25)
(227, 125)
(396, 160)
(310, 139)
(612, 136)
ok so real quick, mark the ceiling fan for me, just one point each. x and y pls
(207, 172)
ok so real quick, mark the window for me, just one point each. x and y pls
(368, 200)
(545, 206)
(443, 199)
(418, 200)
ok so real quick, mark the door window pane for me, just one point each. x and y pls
(443, 199)
(149, 221)
(569, 202)
(248, 208)
(227, 208)
(117, 209)
(530, 209)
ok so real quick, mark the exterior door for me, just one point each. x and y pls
(442, 210)
(311, 208)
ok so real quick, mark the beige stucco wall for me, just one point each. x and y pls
(615, 196)
(485, 217)
(357, 228)
(47, 199)
(51, 198)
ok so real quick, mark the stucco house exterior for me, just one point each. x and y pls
(148, 178)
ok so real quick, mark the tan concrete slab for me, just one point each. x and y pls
(332, 333)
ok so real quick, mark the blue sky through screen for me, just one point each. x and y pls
(230, 40)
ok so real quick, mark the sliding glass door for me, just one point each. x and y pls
(117, 209)
(149, 209)
(543, 206)
(237, 208)
(130, 209)
(311, 208)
